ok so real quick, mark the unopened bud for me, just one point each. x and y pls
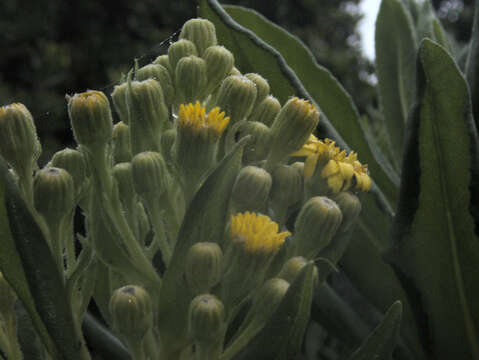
(235, 71)
(315, 225)
(258, 147)
(90, 117)
(201, 32)
(267, 299)
(178, 50)
(262, 87)
(207, 318)
(19, 144)
(167, 140)
(219, 62)
(160, 74)
(266, 111)
(131, 311)
(293, 267)
(73, 161)
(350, 208)
(236, 96)
(118, 96)
(287, 187)
(164, 61)
(251, 190)
(150, 175)
(53, 193)
(124, 178)
(190, 79)
(204, 267)
(121, 143)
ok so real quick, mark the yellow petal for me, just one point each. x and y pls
(335, 183)
(330, 169)
(310, 165)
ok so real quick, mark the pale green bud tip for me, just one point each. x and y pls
(131, 311)
(164, 61)
(219, 62)
(178, 50)
(118, 96)
(90, 116)
(19, 143)
(160, 74)
(266, 111)
(262, 86)
(207, 316)
(121, 142)
(191, 79)
(201, 32)
(287, 185)
(316, 224)
(53, 192)
(236, 96)
(293, 267)
(251, 189)
(204, 263)
(73, 162)
(268, 298)
(124, 178)
(350, 208)
(258, 147)
(150, 174)
(7, 296)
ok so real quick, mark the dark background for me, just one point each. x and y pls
(51, 48)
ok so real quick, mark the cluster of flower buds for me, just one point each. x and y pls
(177, 119)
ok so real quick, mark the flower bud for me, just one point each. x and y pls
(19, 144)
(291, 128)
(266, 111)
(293, 267)
(118, 96)
(201, 32)
(148, 115)
(8, 297)
(160, 74)
(267, 299)
(251, 190)
(190, 79)
(262, 87)
(167, 140)
(90, 117)
(219, 62)
(350, 208)
(121, 143)
(123, 175)
(235, 71)
(236, 96)
(299, 166)
(315, 225)
(150, 175)
(131, 311)
(73, 161)
(258, 147)
(164, 61)
(287, 187)
(206, 318)
(178, 50)
(204, 267)
(53, 193)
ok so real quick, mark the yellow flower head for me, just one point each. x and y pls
(257, 233)
(194, 117)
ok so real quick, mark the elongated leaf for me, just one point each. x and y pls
(253, 54)
(396, 69)
(472, 65)
(270, 342)
(205, 220)
(44, 281)
(436, 242)
(382, 341)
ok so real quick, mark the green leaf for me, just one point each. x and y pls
(205, 220)
(284, 325)
(436, 245)
(382, 341)
(472, 64)
(44, 282)
(396, 69)
(276, 54)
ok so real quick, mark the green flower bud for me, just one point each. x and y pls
(251, 190)
(257, 149)
(287, 187)
(262, 87)
(266, 111)
(293, 267)
(8, 297)
(191, 79)
(267, 300)
(204, 267)
(236, 96)
(350, 208)
(219, 62)
(90, 117)
(148, 115)
(73, 161)
(292, 127)
(160, 74)
(53, 193)
(150, 175)
(315, 225)
(206, 318)
(164, 61)
(131, 311)
(118, 96)
(178, 50)
(167, 140)
(299, 166)
(235, 71)
(123, 174)
(19, 144)
(201, 32)
(121, 143)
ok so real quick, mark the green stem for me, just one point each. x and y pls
(25, 182)
(11, 331)
(151, 348)
(137, 349)
(57, 245)
(156, 219)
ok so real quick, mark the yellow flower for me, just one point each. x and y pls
(257, 233)
(194, 117)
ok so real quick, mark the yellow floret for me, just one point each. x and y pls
(195, 117)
